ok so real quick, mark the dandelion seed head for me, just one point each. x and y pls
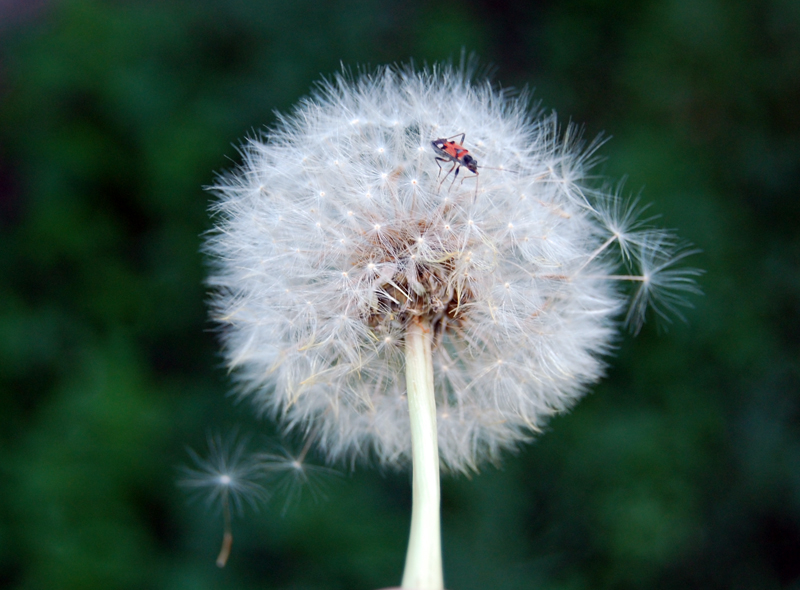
(228, 474)
(290, 475)
(519, 274)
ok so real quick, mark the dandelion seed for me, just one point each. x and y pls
(228, 479)
(662, 285)
(290, 474)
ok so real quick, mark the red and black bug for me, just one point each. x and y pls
(450, 151)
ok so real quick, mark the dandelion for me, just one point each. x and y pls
(289, 474)
(229, 479)
(402, 318)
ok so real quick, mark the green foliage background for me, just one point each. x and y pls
(681, 470)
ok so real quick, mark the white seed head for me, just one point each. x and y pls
(229, 477)
(339, 228)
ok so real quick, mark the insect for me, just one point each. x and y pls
(450, 151)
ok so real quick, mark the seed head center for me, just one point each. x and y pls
(425, 280)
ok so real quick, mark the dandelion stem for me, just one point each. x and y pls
(227, 535)
(596, 253)
(423, 569)
(302, 456)
(638, 278)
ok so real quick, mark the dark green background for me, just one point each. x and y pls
(680, 470)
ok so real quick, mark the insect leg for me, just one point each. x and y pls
(455, 167)
(463, 178)
(460, 141)
(458, 169)
(440, 166)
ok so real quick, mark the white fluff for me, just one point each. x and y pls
(338, 217)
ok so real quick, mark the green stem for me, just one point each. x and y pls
(424, 558)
